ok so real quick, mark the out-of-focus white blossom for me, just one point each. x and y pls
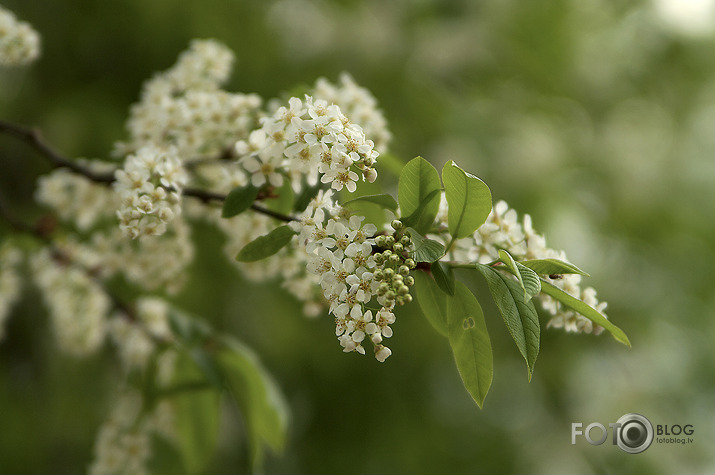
(74, 198)
(185, 108)
(357, 103)
(19, 42)
(123, 444)
(78, 306)
(149, 186)
(10, 284)
(135, 336)
(502, 230)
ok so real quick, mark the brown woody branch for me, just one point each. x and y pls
(34, 139)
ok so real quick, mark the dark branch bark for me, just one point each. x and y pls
(33, 138)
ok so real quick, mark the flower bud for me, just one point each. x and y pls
(396, 224)
(404, 270)
(398, 248)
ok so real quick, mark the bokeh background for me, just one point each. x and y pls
(594, 116)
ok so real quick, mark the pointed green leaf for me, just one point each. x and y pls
(552, 267)
(196, 417)
(239, 200)
(469, 200)
(527, 278)
(416, 190)
(262, 405)
(424, 209)
(267, 245)
(469, 339)
(432, 301)
(532, 282)
(584, 309)
(383, 200)
(520, 316)
(426, 250)
(443, 276)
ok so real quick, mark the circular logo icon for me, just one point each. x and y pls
(635, 433)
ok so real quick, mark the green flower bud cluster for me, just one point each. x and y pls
(394, 265)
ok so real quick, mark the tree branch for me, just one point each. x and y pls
(34, 139)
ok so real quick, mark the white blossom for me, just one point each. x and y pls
(19, 42)
(123, 444)
(502, 230)
(78, 306)
(149, 186)
(307, 139)
(10, 284)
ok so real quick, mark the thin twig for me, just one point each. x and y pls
(33, 138)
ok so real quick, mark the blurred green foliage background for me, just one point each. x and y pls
(594, 116)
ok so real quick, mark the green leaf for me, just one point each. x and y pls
(469, 200)
(432, 301)
(532, 283)
(239, 200)
(267, 245)
(283, 202)
(418, 189)
(426, 250)
(423, 210)
(469, 339)
(383, 200)
(262, 405)
(584, 309)
(196, 417)
(527, 278)
(443, 276)
(520, 316)
(552, 267)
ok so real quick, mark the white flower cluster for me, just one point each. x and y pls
(340, 250)
(74, 198)
(152, 264)
(185, 108)
(307, 139)
(10, 284)
(136, 339)
(357, 103)
(78, 306)
(150, 187)
(502, 230)
(123, 444)
(19, 42)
